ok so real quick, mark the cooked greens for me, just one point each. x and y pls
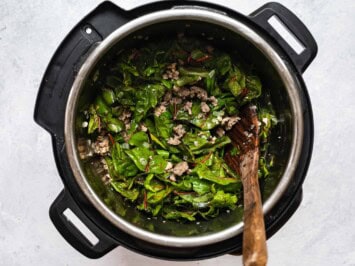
(156, 128)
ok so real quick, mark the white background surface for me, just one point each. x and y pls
(320, 233)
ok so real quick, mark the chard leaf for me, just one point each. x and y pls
(234, 86)
(196, 54)
(122, 188)
(268, 120)
(129, 69)
(157, 141)
(223, 64)
(201, 144)
(216, 175)
(198, 72)
(122, 164)
(173, 214)
(109, 96)
(152, 184)
(140, 157)
(164, 125)
(194, 141)
(163, 153)
(93, 121)
(198, 202)
(139, 139)
(200, 186)
(187, 80)
(167, 83)
(157, 164)
(253, 84)
(209, 122)
(113, 124)
(101, 107)
(147, 97)
(149, 71)
(184, 185)
(224, 200)
(211, 82)
(157, 197)
(235, 81)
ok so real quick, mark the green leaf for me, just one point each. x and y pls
(211, 82)
(187, 80)
(196, 54)
(153, 209)
(114, 125)
(173, 214)
(268, 120)
(223, 64)
(157, 141)
(122, 164)
(101, 107)
(147, 97)
(155, 92)
(216, 175)
(201, 144)
(211, 213)
(139, 139)
(194, 141)
(253, 84)
(129, 69)
(224, 200)
(198, 202)
(109, 96)
(205, 159)
(122, 188)
(152, 184)
(163, 153)
(167, 83)
(140, 157)
(149, 123)
(149, 71)
(184, 185)
(157, 164)
(126, 95)
(235, 81)
(93, 121)
(198, 72)
(234, 86)
(157, 197)
(200, 186)
(164, 125)
(212, 120)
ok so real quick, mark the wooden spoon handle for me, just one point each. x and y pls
(254, 239)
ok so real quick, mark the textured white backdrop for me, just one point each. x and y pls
(320, 233)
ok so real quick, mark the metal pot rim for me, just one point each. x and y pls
(211, 17)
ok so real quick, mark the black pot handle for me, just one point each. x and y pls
(60, 74)
(67, 60)
(294, 25)
(70, 232)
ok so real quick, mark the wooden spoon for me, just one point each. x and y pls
(245, 137)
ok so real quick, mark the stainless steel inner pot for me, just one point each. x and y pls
(227, 33)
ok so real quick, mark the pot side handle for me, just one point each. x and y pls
(72, 234)
(67, 60)
(294, 25)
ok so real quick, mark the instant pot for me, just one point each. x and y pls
(108, 28)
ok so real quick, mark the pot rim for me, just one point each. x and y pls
(191, 14)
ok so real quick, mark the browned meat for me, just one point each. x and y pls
(180, 168)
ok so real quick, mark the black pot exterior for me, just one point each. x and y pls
(50, 110)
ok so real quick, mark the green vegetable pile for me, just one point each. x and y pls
(157, 127)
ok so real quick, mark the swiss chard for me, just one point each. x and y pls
(165, 109)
